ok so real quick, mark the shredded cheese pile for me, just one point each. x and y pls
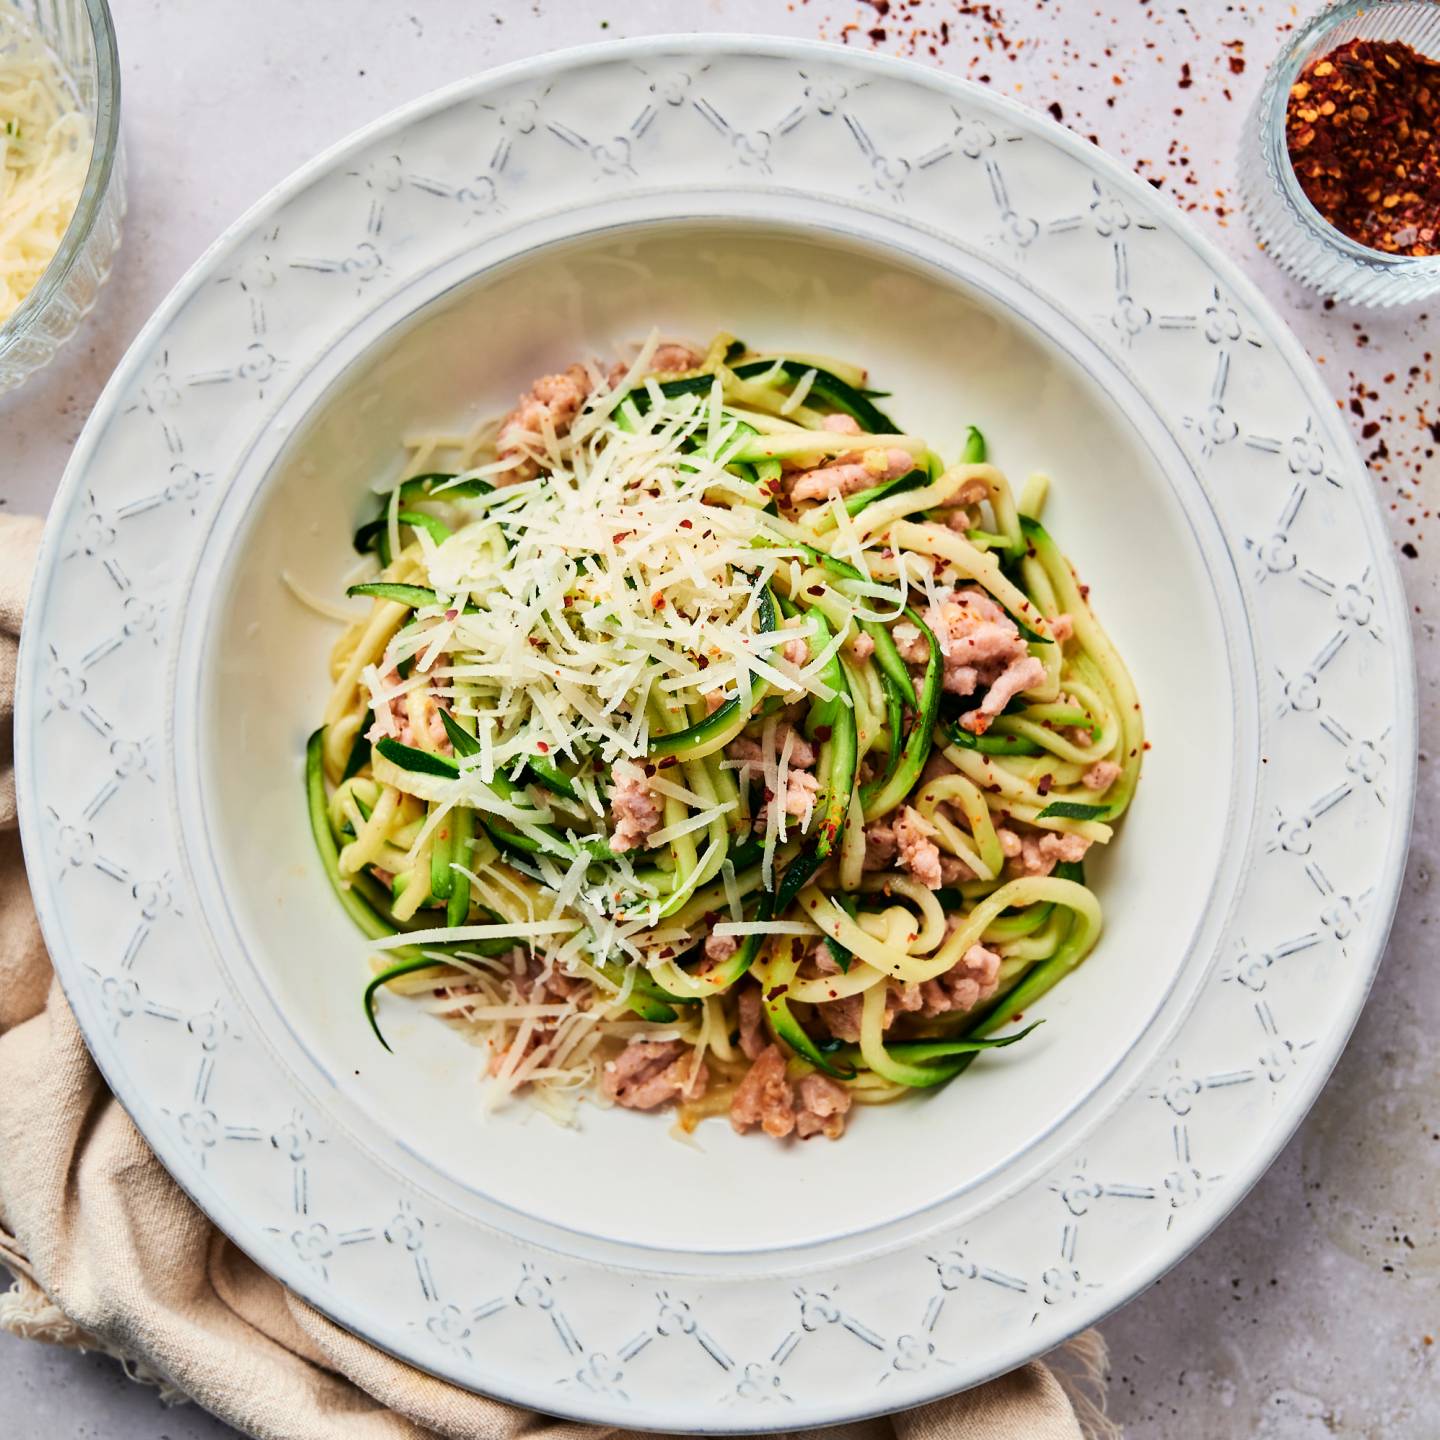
(597, 600)
(620, 591)
(45, 147)
(611, 595)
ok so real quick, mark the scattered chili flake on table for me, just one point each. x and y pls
(1361, 127)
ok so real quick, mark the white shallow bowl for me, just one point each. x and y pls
(989, 269)
(953, 345)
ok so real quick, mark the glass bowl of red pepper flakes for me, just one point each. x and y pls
(1340, 166)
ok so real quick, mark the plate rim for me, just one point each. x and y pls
(1216, 260)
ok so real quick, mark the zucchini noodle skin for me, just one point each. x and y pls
(843, 846)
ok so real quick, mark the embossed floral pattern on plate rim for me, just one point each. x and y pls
(1164, 1167)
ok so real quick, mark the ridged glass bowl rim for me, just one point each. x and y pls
(1305, 43)
(97, 178)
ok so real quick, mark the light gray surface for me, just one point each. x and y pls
(1309, 1313)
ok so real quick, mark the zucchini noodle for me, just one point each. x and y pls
(711, 742)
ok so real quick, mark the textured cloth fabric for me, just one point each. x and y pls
(108, 1253)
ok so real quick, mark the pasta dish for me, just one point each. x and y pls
(712, 742)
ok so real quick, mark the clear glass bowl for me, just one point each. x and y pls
(1288, 226)
(82, 36)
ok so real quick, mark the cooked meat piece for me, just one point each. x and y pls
(982, 648)
(803, 754)
(1101, 775)
(801, 791)
(796, 651)
(674, 359)
(979, 640)
(752, 1032)
(651, 1073)
(539, 982)
(910, 643)
(860, 645)
(668, 359)
(1022, 673)
(971, 981)
(822, 1107)
(963, 512)
(854, 471)
(813, 1105)
(842, 1017)
(764, 1097)
(552, 399)
(412, 718)
(719, 948)
(954, 871)
(822, 960)
(1038, 852)
(919, 854)
(880, 846)
(635, 809)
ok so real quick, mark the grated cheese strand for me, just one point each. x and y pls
(45, 145)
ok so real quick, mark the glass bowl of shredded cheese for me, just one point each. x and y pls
(62, 192)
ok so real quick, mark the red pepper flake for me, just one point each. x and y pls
(1054, 108)
(657, 601)
(775, 992)
(1185, 80)
(1044, 783)
(686, 525)
(1362, 126)
(823, 733)
(619, 536)
(542, 747)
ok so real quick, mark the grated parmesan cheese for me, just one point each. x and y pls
(620, 594)
(45, 145)
(762, 927)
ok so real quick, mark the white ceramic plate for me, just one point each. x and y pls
(988, 267)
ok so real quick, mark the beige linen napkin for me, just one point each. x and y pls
(109, 1254)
